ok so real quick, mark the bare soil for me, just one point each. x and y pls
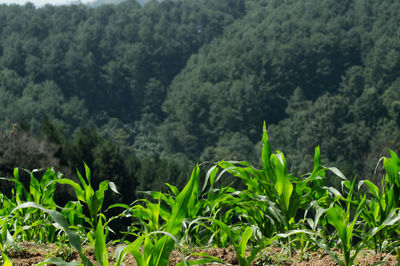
(31, 254)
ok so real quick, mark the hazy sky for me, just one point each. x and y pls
(39, 3)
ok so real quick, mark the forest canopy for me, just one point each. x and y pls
(126, 86)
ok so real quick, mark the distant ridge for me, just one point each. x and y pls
(115, 2)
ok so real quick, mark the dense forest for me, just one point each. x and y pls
(127, 87)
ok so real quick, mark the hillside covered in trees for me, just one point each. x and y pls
(127, 87)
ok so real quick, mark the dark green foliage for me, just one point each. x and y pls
(196, 79)
(247, 75)
(130, 173)
(154, 172)
(118, 59)
(314, 69)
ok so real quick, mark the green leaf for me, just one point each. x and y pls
(4, 230)
(390, 220)
(118, 205)
(164, 247)
(100, 248)
(174, 189)
(6, 260)
(92, 204)
(120, 253)
(16, 173)
(87, 172)
(210, 176)
(100, 194)
(83, 182)
(59, 219)
(317, 160)
(48, 176)
(337, 217)
(134, 248)
(373, 189)
(148, 248)
(58, 261)
(35, 189)
(266, 154)
(283, 185)
(243, 241)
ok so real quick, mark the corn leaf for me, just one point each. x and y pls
(164, 247)
(60, 220)
(57, 261)
(100, 249)
(243, 243)
(266, 154)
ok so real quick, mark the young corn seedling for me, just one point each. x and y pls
(100, 248)
(340, 219)
(384, 202)
(98, 236)
(148, 214)
(156, 250)
(377, 210)
(92, 199)
(392, 176)
(143, 249)
(346, 227)
(60, 221)
(238, 236)
(26, 222)
(273, 198)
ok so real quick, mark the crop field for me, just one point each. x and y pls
(274, 210)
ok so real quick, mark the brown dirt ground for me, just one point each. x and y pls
(31, 253)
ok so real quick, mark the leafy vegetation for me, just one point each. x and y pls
(267, 212)
(141, 92)
(195, 79)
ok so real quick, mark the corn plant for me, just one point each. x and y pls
(41, 192)
(344, 226)
(212, 204)
(60, 221)
(157, 251)
(273, 197)
(384, 201)
(100, 247)
(379, 208)
(392, 176)
(174, 214)
(92, 199)
(157, 245)
(143, 249)
(238, 236)
(99, 237)
(347, 227)
(148, 213)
